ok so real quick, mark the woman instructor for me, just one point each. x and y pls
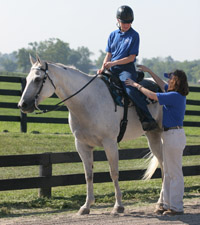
(173, 100)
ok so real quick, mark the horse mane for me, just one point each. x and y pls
(67, 66)
(71, 67)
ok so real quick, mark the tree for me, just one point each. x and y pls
(53, 50)
(9, 65)
(56, 50)
(160, 66)
(84, 63)
(23, 59)
(8, 62)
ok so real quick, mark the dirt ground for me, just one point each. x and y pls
(132, 215)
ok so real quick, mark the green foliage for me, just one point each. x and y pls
(55, 50)
(23, 59)
(161, 66)
(8, 62)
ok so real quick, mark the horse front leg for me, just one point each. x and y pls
(86, 155)
(111, 150)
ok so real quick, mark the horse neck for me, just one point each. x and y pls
(68, 81)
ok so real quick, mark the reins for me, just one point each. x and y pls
(57, 106)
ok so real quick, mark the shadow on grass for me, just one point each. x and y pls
(60, 204)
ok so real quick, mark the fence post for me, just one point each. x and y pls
(46, 171)
(23, 116)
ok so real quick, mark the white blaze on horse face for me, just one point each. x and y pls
(33, 83)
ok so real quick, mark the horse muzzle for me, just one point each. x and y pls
(26, 107)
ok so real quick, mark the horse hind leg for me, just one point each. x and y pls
(86, 154)
(111, 150)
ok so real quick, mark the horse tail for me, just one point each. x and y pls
(153, 164)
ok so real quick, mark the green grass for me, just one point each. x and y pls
(69, 199)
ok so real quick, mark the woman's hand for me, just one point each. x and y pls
(143, 68)
(131, 82)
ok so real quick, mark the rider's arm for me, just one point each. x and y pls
(122, 61)
(106, 59)
(157, 79)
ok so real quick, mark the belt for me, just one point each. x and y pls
(171, 128)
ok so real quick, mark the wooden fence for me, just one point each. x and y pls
(46, 181)
(24, 119)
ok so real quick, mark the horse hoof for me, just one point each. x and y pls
(83, 211)
(118, 209)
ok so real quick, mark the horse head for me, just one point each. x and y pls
(39, 86)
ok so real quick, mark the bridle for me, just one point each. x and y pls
(46, 75)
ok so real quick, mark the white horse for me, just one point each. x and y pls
(92, 119)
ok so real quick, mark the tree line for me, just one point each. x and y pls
(53, 50)
(56, 50)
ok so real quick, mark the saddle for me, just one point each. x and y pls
(120, 97)
(118, 93)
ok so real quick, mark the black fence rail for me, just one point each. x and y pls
(46, 181)
(23, 119)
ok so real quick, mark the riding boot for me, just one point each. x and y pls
(148, 123)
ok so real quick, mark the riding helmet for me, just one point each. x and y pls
(125, 14)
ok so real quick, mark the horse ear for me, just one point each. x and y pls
(32, 60)
(40, 61)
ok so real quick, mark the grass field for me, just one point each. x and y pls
(42, 138)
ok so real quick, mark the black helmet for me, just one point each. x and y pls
(125, 14)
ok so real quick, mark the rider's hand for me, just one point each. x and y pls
(108, 65)
(100, 71)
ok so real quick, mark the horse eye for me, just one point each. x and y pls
(37, 72)
(37, 79)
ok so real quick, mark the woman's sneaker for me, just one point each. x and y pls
(171, 212)
(160, 210)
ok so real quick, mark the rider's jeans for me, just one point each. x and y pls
(136, 96)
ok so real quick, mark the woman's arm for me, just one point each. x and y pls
(148, 93)
(157, 79)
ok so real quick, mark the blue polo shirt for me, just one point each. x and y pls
(122, 44)
(174, 105)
